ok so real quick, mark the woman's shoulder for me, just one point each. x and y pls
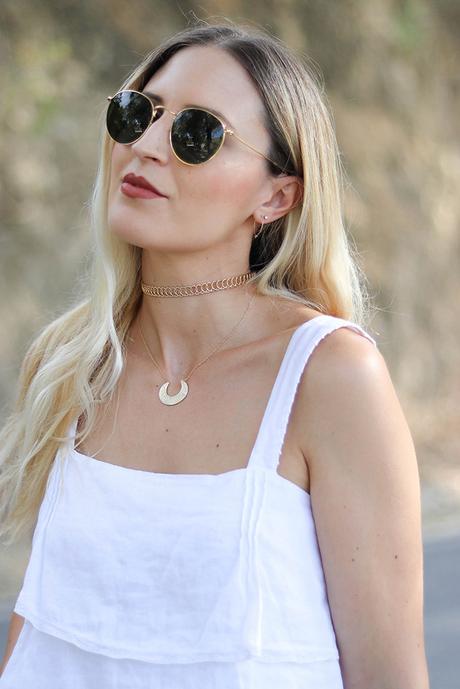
(344, 366)
(346, 352)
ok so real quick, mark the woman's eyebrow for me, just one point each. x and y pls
(158, 98)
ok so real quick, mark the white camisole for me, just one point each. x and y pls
(145, 580)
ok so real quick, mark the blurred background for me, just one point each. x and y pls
(391, 74)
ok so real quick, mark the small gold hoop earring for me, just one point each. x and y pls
(265, 217)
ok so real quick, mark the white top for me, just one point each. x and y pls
(174, 569)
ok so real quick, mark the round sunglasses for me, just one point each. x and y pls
(196, 135)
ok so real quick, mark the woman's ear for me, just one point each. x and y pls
(287, 194)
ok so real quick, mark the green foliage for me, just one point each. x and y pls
(410, 19)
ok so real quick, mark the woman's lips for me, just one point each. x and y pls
(134, 192)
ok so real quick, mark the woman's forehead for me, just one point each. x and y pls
(211, 78)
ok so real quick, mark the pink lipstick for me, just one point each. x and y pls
(139, 187)
(139, 192)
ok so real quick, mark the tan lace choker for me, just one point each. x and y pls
(192, 290)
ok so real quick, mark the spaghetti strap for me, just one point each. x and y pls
(68, 444)
(269, 443)
(71, 432)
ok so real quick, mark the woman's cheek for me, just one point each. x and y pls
(225, 182)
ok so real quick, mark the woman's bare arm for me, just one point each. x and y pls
(14, 630)
(365, 493)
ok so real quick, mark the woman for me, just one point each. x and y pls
(220, 264)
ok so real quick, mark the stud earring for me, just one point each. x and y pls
(265, 217)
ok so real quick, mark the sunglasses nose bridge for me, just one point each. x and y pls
(156, 107)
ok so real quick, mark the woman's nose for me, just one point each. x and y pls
(154, 143)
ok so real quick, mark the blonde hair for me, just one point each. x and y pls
(74, 363)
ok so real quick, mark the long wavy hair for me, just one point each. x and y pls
(74, 363)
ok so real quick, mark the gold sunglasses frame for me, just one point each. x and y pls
(226, 129)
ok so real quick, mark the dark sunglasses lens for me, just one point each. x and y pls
(196, 136)
(128, 116)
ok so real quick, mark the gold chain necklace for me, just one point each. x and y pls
(192, 290)
(165, 398)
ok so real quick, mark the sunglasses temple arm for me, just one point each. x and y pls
(254, 149)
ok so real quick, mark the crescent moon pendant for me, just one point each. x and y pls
(173, 399)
